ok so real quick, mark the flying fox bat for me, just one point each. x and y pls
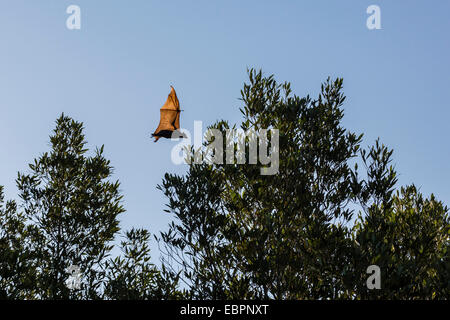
(169, 118)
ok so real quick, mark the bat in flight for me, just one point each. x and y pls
(169, 118)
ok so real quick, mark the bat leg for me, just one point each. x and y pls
(156, 137)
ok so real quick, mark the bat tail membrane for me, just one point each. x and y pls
(163, 133)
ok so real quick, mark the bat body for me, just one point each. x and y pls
(169, 117)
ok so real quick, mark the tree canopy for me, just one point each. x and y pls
(293, 235)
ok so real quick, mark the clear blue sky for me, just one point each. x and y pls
(114, 74)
